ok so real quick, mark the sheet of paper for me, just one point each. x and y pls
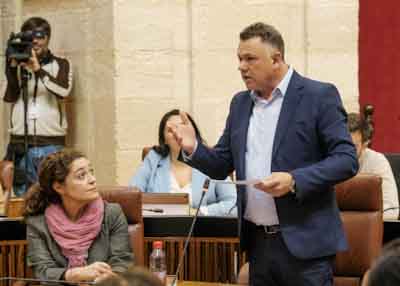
(238, 182)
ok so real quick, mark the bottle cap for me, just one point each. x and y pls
(157, 244)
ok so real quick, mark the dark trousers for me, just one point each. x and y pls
(271, 263)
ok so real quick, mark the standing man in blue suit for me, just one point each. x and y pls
(290, 133)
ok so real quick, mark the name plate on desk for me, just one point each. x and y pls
(159, 204)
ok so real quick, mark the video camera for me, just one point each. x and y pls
(19, 45)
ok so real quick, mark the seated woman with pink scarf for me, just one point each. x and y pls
(72, 233)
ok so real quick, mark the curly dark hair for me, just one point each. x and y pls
(356, 122)
(162, 148)
(267, 34)
(54, 168)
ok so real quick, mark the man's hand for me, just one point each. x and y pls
(183, 133)
(13, 63)
(277, 185)
(104, 276)
(33, 63)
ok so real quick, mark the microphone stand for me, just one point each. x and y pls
(24, 84)
(33, 280)
(205, 189)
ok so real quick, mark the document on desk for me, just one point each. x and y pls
(250, 182)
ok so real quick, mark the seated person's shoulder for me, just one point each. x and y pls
(37, 222)
(112, 209)
(374, 155)
(154, 159)
(153, 155)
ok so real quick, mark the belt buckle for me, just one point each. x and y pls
(270, 229)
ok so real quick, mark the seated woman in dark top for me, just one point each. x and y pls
(72, 233)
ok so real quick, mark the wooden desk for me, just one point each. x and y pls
(13, 248)
(196, 283)
(209, 258)
(212, 251)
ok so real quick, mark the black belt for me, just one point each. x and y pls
(269, 229)
(38, 140)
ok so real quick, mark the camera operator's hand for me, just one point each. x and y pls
(13, 63)
(33, 63)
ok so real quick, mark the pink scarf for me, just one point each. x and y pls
(75, 238)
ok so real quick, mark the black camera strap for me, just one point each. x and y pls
(34, 102)
(46, 59)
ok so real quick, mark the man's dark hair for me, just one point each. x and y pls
(36, 22)
(267, 34)
(386, 270)
(355, 122)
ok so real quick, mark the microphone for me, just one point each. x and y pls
(34, 280)
(178, 268)
(155, 210)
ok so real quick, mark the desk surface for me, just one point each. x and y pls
(196, 283)
(391, 220)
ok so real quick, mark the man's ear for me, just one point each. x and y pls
(276, 57)
(58, 187)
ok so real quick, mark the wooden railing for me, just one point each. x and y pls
(12, 260)
(207, 259)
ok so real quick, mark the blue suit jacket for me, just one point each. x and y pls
(313, 144)
(153, 176)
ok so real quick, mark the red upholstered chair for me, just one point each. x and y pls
(360, 203)
(6, 182)
(130, 200)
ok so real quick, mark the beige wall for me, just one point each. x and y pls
(83, 32)
(9, 13)
(135, 60)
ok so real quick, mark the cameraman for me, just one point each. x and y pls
(49, 83)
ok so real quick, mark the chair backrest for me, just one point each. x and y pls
(130, 199)
(6, 182)
(360, 203)
(394, 161)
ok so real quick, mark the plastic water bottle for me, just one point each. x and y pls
(157, 262)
